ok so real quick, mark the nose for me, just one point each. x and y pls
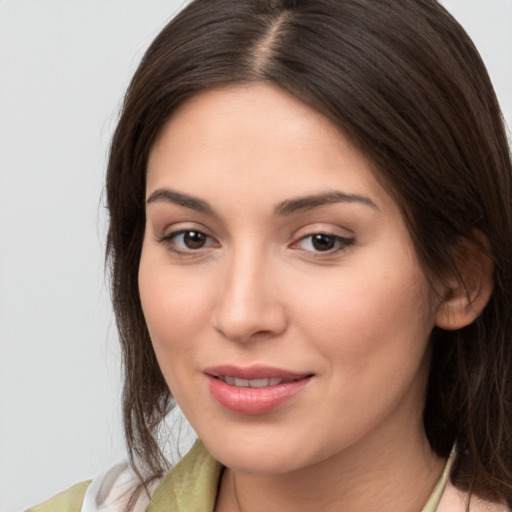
(250, 304)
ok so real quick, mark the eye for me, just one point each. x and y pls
(187, 241)
(192, 239)
(323, 242)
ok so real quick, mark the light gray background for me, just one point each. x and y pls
(63, 68)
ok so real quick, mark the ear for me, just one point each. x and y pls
(464, 300)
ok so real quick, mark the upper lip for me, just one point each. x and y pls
(255, 372)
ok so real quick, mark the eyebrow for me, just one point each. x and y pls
(171, 196)
(285, 208)
(314, 201)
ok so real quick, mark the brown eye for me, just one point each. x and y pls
(194, 239)
(323, 242)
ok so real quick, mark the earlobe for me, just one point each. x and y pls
(465, 298)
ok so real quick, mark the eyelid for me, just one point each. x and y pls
(323, 226)
(343, 238)
(175, 228)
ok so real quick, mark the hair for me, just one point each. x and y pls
(404, 83)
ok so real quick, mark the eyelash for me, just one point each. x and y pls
(339, 243)
(170, 242)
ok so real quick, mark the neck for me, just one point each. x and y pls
(398, 477)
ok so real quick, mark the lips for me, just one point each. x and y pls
(254, 390)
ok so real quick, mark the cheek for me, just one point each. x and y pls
(174, 303)
(175, 312)
(371, 315)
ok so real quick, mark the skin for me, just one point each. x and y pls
(256, 290)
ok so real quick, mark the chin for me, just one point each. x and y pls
(257, 461)
(266, 453)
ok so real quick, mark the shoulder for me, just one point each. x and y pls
(67, 501)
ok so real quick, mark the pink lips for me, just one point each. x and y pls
(254, 390)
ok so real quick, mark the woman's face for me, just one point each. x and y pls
(286, 306)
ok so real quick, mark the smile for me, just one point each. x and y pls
(254, 390)
(251, 383)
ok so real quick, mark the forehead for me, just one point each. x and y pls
(221, 115)
(262, 139)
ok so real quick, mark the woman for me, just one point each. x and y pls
(310, 239)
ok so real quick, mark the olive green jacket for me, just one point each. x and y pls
(191, 486)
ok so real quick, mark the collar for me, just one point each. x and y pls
(191, 485)
(433, 502)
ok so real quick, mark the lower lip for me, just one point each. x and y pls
(244, 400)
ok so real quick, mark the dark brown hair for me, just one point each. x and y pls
(403, 81)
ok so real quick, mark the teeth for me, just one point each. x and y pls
(259, 383)
(252, 383)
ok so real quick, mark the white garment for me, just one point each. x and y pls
(111, 491)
